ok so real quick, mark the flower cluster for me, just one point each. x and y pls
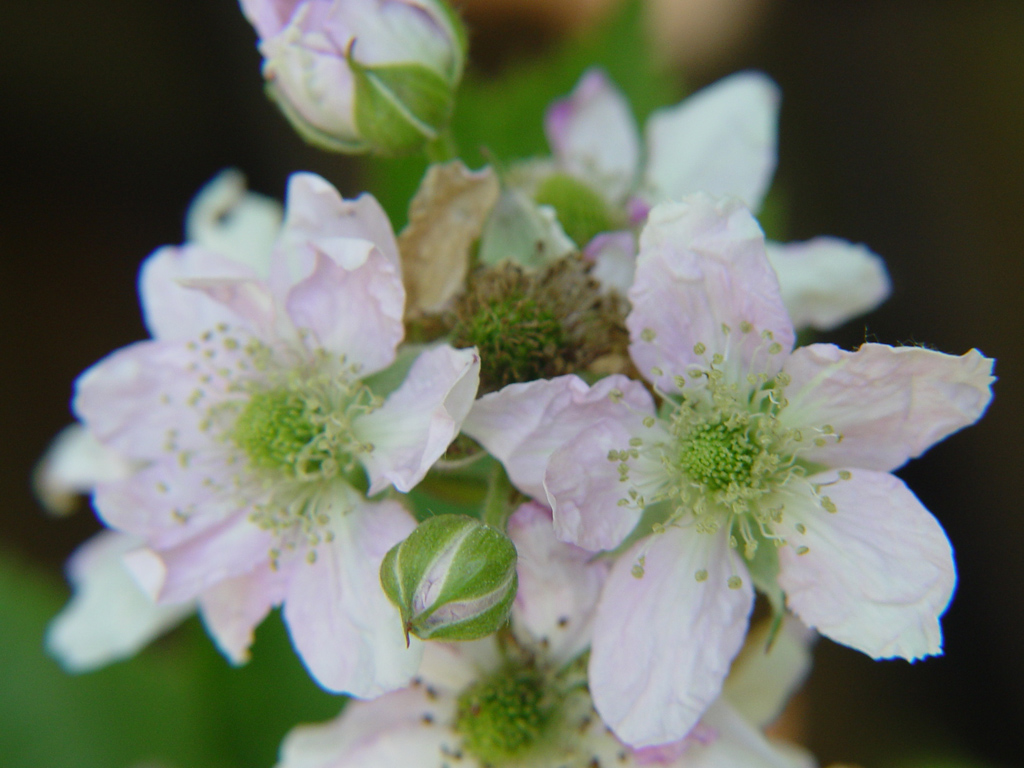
(618, 349)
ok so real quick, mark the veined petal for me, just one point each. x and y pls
(722, 140)
(876, 574)
(420, 419)
(137, 400)
(74, 464)
(404, 728)
(583, 488)
(827, 281)
(173, 308)
(233, 548)
(593, 135)
(352, 302)
(316, 211)
(559, 585)
(167, 502)
(663, 642)
(702, 276)
(232, 609)
(109, 617)
(348, 634)
(523, 424)
(227, 219)
(889, 404)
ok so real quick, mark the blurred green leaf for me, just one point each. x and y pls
(178, 704)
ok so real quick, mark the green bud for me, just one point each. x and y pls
(454, 578)
(582, 212)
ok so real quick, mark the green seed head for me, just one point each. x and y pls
(507, 715)
(581, 211)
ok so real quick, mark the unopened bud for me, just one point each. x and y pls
(361, 76)
(454, 578)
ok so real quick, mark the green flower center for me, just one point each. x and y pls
(581, 211)
(274, 429)
(717, 455)
(505, 716)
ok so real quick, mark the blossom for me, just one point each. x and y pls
(763, 466)
(720, 141)
(361, 75)
(257, 435)
(521, 701)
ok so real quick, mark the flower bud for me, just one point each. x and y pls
(361, 75)
(454, 578)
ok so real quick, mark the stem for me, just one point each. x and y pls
(497, 506)
(443, 148)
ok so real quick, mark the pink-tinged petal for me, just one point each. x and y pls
(167, 502)
(584, 488)
(174, 310)
(523, 424)
(827, 281)
(74, 464)
(889, 404)
(593, 135)
(227, 219)
(140, 400)
(420, 419)
(233, 548)
(559, 585)
(722, 140)
(736, 742)
(702, 276)
(248, 302)
(875, 575)
(352, 303)
(614, 257)
(232, 609)
(269, 16)
(316, 211)
(404, 728)
(663, 642)
(109, 617)
(348, 634)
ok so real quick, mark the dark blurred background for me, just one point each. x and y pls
(902, 127)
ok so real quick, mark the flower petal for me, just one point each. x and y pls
(738, 743)
(584, 488)
(614, 257)
(889, 404)
(404, 728)
(702, 276)
(348, 634)
(876, 574)
(663, 642)
(138, 400)
(352, 302)
(420, 419)
(232, 609)
(523, 424)
(316, 211)
(109, 617)
(559, 585)
(233, 548)
(593, 135)
(722, 140)
(74, 464)
(173, 308)
(827, 281)
(225, 218)
(268, 16)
